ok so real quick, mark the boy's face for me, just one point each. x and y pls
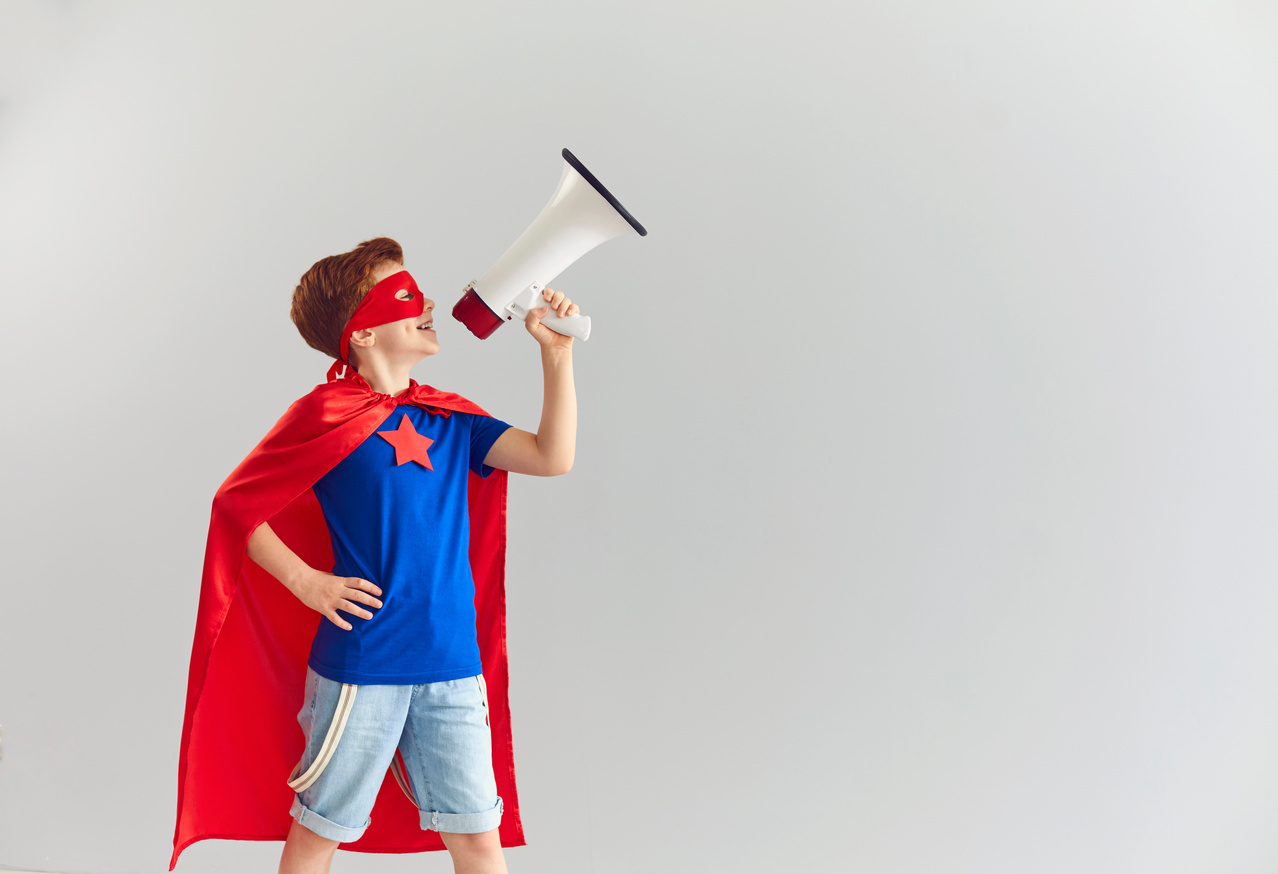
(409, 339)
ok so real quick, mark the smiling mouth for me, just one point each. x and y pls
(429, 326)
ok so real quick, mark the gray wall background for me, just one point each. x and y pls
(922, 516)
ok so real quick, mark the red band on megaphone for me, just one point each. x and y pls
(472, 312)
(381, 306)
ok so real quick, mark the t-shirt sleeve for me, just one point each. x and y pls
(484, 431)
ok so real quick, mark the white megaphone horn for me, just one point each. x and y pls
(581, 214)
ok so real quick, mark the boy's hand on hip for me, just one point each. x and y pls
(326, 593)
(563, 307)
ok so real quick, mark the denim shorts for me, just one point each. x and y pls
(441, 731)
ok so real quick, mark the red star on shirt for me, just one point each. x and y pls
(409, 445)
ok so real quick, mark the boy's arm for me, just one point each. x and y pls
(322, 592)
(550, 451)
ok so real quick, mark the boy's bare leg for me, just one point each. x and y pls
(475, 854)
(306, 852)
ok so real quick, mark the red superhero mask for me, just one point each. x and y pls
(381, 306)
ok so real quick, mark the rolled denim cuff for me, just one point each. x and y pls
(463, 823)
(326, 828)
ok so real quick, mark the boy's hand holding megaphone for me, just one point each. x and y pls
(562, 307)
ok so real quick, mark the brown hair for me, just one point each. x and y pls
(331, 290)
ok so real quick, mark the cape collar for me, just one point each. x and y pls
(352, 376)
(429, 398)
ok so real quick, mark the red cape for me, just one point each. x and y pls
(240, 737)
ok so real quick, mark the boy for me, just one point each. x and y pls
(410, 488)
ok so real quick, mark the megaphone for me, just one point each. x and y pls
(581, 214)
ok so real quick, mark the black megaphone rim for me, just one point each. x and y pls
(598, 186)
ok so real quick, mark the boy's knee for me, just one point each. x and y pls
(480, 844)
(305, 851)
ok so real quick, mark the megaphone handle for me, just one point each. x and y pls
(570, 326)
(530, 299)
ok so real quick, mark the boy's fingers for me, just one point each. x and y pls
(363, 597)
(337, 620)
(363, 588)
(353, 609)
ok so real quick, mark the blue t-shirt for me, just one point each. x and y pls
(397, 515)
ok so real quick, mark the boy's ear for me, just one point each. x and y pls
(360, 340)
(363, 338)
